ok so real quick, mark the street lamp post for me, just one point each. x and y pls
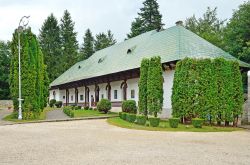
(22, 24)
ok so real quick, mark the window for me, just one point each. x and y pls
(102, 96)
(63, 97)
(81, 97)
(72, 97)
(115, 94)
(132, 93)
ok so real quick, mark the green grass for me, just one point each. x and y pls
(92, 113)
(42, 116)
(164, 126)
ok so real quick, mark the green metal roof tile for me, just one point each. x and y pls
(172, 44)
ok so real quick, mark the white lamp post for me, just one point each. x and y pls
(22, 25)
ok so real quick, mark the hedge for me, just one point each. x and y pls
(154, 86)
(173, 122)
(123, 115)
(142, 104)
(130, 117)
(129, 106)
(207, 89)
(141, 119)
(197, 122)
(154, 121)
(68, 111)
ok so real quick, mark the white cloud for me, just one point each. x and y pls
(99, 15)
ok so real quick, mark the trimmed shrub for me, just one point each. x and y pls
(154, 121)
(104, 105)
(78, 108)
(68, 111)
(86, 107)
(154, 86)
(173, 122)
(197, 122)
(123, 115)
(58, 104)
(142, 104)
(129, 106)
(120, 114)
(90, 108)
(130, 117)
(141, 119)
(52, 102)
(207, 88)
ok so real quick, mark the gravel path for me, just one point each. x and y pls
(96, 142)
(56, 114)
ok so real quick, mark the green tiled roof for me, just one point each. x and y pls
(172, 44)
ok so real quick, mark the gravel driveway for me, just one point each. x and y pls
(96, 142)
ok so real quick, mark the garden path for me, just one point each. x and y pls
(56, 115)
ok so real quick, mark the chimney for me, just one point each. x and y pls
(179, 23)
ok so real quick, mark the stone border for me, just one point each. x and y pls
(60, 120)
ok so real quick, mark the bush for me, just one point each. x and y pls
(104, 105)
(58, 104)
(78, 108)
(30, 115)
(154, 121)
(130, 117)
(52, 102)
(120, 114)
(68, 111)
(90, 108)
(86, 107)
(123, 115)
(173, 122)
(141, 119)
(197, 122)
(129, 106)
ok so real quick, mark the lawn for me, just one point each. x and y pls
(92, 113)
(42, 116)
(164, 126)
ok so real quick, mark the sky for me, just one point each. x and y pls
(101, 15)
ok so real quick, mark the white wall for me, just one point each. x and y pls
(72, 94)
(91, 93)
(57, 94)
(116, 86)
(167, 92)
(63, 94)
(133, 85)
(81, 91)
(102, 91)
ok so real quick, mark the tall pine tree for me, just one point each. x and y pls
(104, 40)
(149, 18)
(237, 35)
(88, 46)
(51, 46)
(208, 27)
(4, 70)
(69, 42)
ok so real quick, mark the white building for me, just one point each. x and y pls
(113, 72)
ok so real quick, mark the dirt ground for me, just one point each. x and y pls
(97, 142)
